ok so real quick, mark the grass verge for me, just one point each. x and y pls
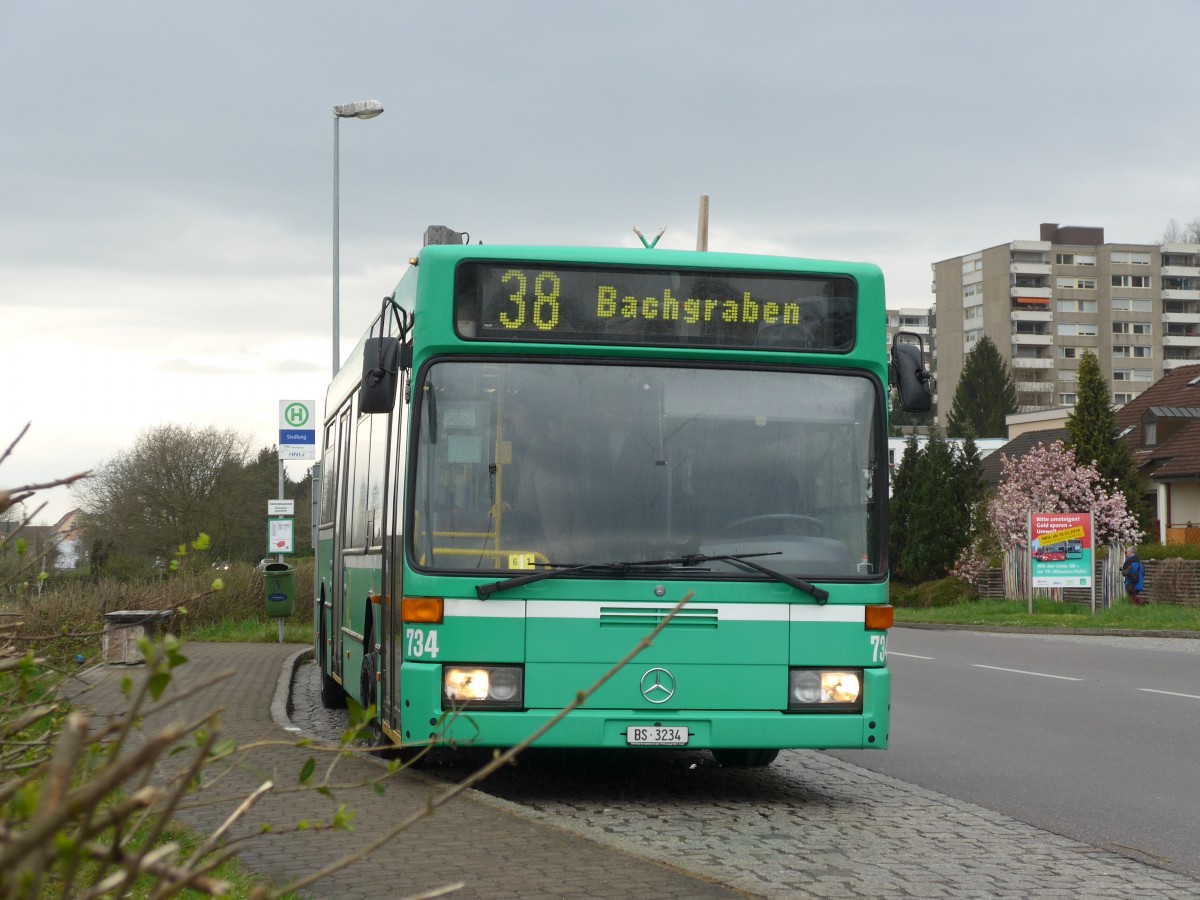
(1049, 614)
(297, 629)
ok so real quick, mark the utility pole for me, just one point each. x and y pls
(702, 226)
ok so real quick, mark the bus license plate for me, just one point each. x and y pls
(656, 735)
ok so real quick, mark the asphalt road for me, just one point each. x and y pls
(1095, 738)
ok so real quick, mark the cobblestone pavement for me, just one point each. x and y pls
(636, 825)
(808, 826)
(495, 852)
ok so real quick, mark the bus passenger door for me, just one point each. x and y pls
(337, 582)
(392, 632)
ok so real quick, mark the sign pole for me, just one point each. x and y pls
(297, 440)
(279, 558)
(1029, 561)
(1092, 531)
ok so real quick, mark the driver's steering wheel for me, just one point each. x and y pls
(809, 526)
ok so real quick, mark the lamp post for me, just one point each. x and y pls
(360, 109)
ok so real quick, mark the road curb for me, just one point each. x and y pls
(1021, 629)
(281, 703)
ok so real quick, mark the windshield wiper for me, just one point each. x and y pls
(483, 591)
(818, 594)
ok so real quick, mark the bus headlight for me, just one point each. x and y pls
(825, 690)
(483, 687)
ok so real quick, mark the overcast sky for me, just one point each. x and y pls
(166, 168)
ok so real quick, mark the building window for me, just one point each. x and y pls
(1067, 352)
(1075, 259)
(1130, 258)
(971, 290)
(1080, 329)
(1151, 435)
(1083, 306)
(1068, 374)
(1066, 399)
(1125, 304)
(1131, 281)
(1131, 327)
(1143, 374)
(1122, 399)
(973, 312)
(971, 266)
(1125, 351)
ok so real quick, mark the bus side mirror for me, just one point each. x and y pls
(380, 375)
(909, 375)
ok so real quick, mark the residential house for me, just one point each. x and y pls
(1162, 428)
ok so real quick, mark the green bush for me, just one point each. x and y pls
(941, 592)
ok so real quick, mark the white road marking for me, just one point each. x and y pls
(909, 655)
(1170, 693)
(1023, 672)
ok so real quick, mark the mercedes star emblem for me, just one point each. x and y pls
(658, 685)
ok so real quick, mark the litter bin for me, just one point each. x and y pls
(279, 581)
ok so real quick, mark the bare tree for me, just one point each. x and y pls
(1175, 233)
(166, 485)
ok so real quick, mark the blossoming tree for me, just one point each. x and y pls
(1049, 480)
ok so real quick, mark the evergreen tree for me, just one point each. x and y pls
(938, 521)
(1092, 434)
(969, 473)
(985, 394)
(903, 482)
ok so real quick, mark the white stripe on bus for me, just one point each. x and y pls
(725, 612)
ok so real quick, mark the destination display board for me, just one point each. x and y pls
(523, 301)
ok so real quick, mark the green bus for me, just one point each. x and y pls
(535, 453)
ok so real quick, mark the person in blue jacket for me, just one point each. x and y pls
(1135, 577)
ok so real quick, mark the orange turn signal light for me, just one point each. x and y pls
(425, 609)
(879, 618)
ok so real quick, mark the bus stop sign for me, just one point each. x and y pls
(297, 430)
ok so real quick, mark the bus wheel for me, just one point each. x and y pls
(367, 680)
(332, 695)
(742, 757)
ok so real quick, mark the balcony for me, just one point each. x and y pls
(1172, 363)
(1031, 362)
(1181, 249)
(1031, 315)
(1033, 340)
(1177, 294)
(1181, 318)
(1180, 271)
(1018, 267)
(1031, 295)
(1181, 340)
(1030, 247)
(1035, 387)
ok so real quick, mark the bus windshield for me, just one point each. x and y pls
(520, 464)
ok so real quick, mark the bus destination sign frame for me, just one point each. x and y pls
(634, 305)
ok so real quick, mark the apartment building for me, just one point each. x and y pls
(1044, 302)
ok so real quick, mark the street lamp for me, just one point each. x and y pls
(360, 109)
